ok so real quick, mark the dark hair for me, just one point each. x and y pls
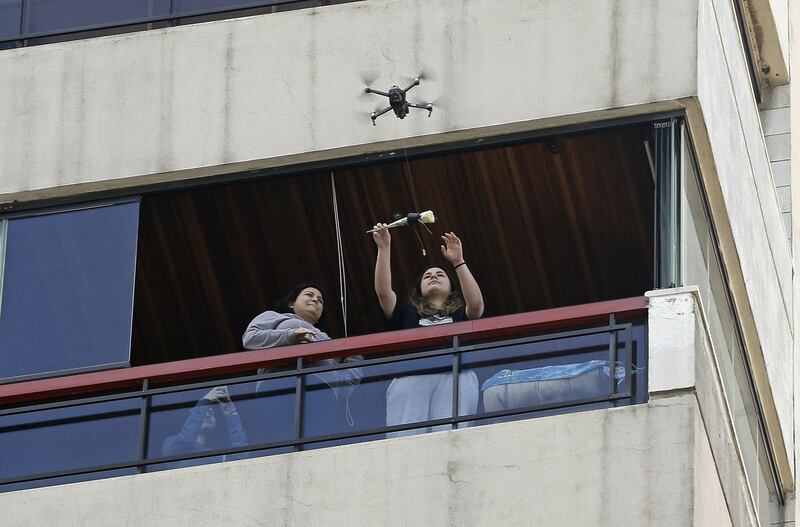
(453, 303)
(282, 305)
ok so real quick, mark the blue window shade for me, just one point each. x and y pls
(67, 299)
(10, 17)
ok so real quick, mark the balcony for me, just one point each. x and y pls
(672, 457)
(134, 420)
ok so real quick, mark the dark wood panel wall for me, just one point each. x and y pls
(540, 230)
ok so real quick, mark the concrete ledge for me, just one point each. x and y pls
(635, 465)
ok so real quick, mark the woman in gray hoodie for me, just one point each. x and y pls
(294, 320)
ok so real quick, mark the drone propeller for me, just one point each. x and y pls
(426, 74)
(368, 79)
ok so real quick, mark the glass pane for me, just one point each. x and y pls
(162, 7)
(667, 159)
(10, 13)
(745, 421)
(543, 373)
(68, 290)
(69, 438)
(196, 421)
(52, 15)
(388, 395)
(696, 237)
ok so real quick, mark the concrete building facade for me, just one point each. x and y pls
(139, 117)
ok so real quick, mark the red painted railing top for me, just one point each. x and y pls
(231, 363)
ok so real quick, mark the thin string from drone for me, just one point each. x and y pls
(340, 251)
(414, 197)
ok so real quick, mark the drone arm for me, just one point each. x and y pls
(415, 83)
(370, 90)
(428, 107)
(375, 115)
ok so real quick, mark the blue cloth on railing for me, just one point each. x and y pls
(547, 373)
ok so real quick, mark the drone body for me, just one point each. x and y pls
(398, 102)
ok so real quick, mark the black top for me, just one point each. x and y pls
(405, 316)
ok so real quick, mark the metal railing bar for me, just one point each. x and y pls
(216, 382)
(537, 356)
(456, 380)
(67, 473)
(318, 439)
(144, 418)
(628, 357)
(127, 412)
(314, 369)
(612, 355)
(540, 338)
(61, 387)
(299, 399)
(23, 8)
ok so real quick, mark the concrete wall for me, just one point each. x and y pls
(639, 465)
(682, 356)
(284, 88)
(756, 251)
(288, 87)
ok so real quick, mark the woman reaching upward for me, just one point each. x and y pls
(437, 298)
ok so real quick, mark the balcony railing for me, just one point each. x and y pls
(31, 22)
(150, 418)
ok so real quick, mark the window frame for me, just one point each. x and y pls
(5, 220)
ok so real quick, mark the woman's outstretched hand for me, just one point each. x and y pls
(452, 248)
(381, 236)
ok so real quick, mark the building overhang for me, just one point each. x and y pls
(286, 88)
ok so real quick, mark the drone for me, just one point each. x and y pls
(398, 102)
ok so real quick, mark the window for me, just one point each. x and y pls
(67, 290)
(703, 266)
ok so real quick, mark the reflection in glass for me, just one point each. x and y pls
(545, 372)
(68, 290)
(198, 421)
(69, 438)
(376, 402)
(213, 422)
(554, 373)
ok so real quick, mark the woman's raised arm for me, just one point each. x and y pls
(383, 270)
(454, 253)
